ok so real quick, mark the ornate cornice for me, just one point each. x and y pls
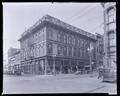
(55, 21)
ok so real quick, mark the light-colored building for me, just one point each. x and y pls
(53, 46)
(109, 34)
(14, 60)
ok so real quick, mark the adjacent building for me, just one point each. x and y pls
(99, 50)
(109, 34)
(53, 46)
(14, 60)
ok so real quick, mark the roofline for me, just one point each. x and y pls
(57, 22)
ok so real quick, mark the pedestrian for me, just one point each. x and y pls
(100, 71)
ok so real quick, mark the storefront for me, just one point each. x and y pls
(50, 65)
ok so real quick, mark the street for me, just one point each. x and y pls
(69, 83)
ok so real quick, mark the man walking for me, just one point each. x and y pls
(100, 71)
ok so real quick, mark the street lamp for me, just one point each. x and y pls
(90, 54)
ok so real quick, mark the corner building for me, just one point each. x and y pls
(52, 46)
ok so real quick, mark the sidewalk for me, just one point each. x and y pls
(58, 76)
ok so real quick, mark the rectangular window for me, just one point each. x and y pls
(111, 35)
(70, 51)
(50, 33)
(80, 42)
(112, 49)
(82, 53)
(70, 38)
(59, 50)
(65, 51)
(50, 48)
(111, 18)
(112, 26)
(75, 52)
(73, 40)
(61, 37)
(112, 42)
(58, 37)
(32, 51)
(76, 41)
(65, 38)
(35, 50)
(78, 52)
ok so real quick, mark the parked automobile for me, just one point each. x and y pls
(109, 75)
(17, 73)
(78, 72)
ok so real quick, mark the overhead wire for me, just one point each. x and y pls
(97, 26)
(77, 13)
(85, 13)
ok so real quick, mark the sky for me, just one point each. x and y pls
(17, 17)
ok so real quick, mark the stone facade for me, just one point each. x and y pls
(52, 46)
(110, 33)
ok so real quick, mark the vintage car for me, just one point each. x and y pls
(109, 75)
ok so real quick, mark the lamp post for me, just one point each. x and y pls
(90, 54)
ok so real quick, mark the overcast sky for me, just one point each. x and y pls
(20, 16)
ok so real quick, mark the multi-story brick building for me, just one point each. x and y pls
(51, 45)
(14, 60)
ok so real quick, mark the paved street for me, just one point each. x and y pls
(56, 84)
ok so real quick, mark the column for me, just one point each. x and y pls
(61, 66)
(71, 66)
(42, 63)
(77, 65)
(46, 65)
(54, 65)
(35, 67)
